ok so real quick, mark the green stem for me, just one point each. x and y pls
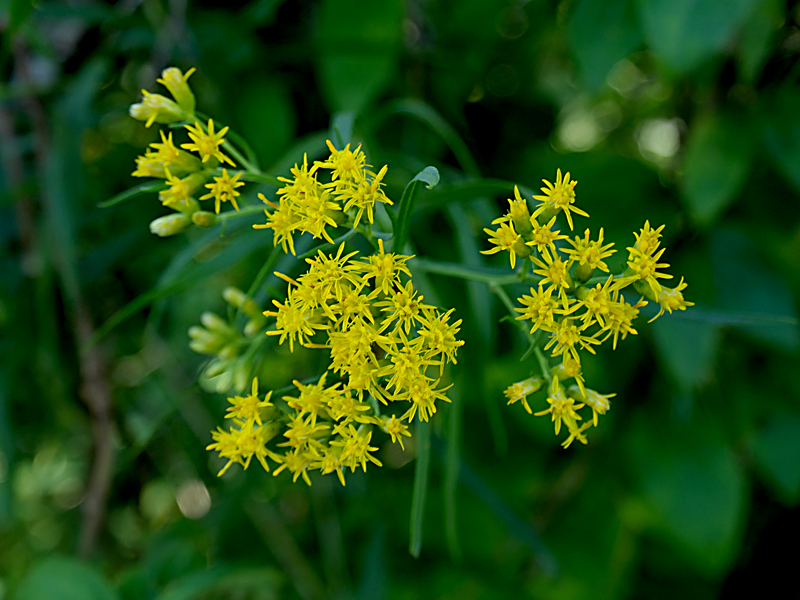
(259, 177)
(472, 274)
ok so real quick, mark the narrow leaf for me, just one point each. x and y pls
(430, 177)
(147, 187)
(421, 473)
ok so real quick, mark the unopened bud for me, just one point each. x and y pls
(155, 108)
(203, 218)
(170, 224)
(175, 81)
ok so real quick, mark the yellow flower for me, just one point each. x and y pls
(645, 267)
(364, 195)
(595, 400)
(440, 336)
(566, 335)
(175, 81)
(560, 196)
(294, 322)
(283, 222)
(329, 463)
(670, 299)
(554, 270)
(346, 164)
(647, 240)
(505, 238)
(518, 214)
(207, 144)
(248, 407)
(562, 407)
(155, 108)
(589, 255)
(297, 461)
(383, 267)
(422, 396)
(165, 154)
(314, 398)
(543, 236)
(179, 194)
(302, 431)
(620, 317)
(596, 301)
(405, 307)
(395, 428)
(355, 447)
(539, 307)
(576, 433)
(224, 189)
(522, 389)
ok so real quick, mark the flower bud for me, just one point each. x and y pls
(215, 367)
(203, 218)
(239, 299)
(253, 326)
(170, 224)
(175, 81)
(520, 215)
(215, 323)
(155, 108)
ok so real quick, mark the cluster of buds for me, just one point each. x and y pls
(576, 309)
(386, 348)
(230, 368)
(306, 205)
(185, 175)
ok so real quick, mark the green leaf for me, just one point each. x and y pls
(266, 115)
(687, 349)
(359, 46)
(746, 285)
(718, 158)
(185, 271)
(148, 187)
(224, 581)
(422, 438)
(430, 177)
(452, 461)
(776, 450)
(755, 42)
(686, 33)
(782, 133)
(58, 578)
(694, 485)
(601, 33)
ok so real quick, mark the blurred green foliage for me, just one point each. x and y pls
(683, 112)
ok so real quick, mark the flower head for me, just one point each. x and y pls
(224, 189)
(520, 391)
(155, 108)
(558, 197)
(207, 143)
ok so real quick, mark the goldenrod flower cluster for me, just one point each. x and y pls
(386, 346)
(184, 174)
(306, 205)
(576, 310)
